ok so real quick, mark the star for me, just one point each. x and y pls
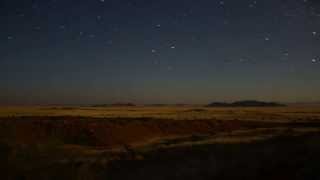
(226, 22)
(292, 69)
(115, 29)
(185, 14)
(267, 39)
(34, 6)
(153, 51)
(314, 60)
(37, 28)
(173, 47)
(253, 4)
(243, 60)
(314, 33)
(62, 27)
(155, 62)
(194, 38)
(286, 53)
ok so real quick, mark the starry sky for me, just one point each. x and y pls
(159, 51)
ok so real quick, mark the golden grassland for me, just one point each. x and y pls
(293, 112)
(164, 142)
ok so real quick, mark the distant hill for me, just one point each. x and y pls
(249, 103)
(115, 105)
(219, 104)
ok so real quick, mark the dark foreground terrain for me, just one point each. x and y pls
(85, 148)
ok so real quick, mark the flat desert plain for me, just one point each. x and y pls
(160, 142)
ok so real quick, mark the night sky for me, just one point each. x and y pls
(159, 51)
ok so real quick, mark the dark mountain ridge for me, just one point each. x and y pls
(247, 103)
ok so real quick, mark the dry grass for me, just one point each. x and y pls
(200, 143)
(171, 112)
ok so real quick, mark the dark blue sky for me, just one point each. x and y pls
(159, 51)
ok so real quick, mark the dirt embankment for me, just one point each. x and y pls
(118, 131)
(284, 157)
(290, 156)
